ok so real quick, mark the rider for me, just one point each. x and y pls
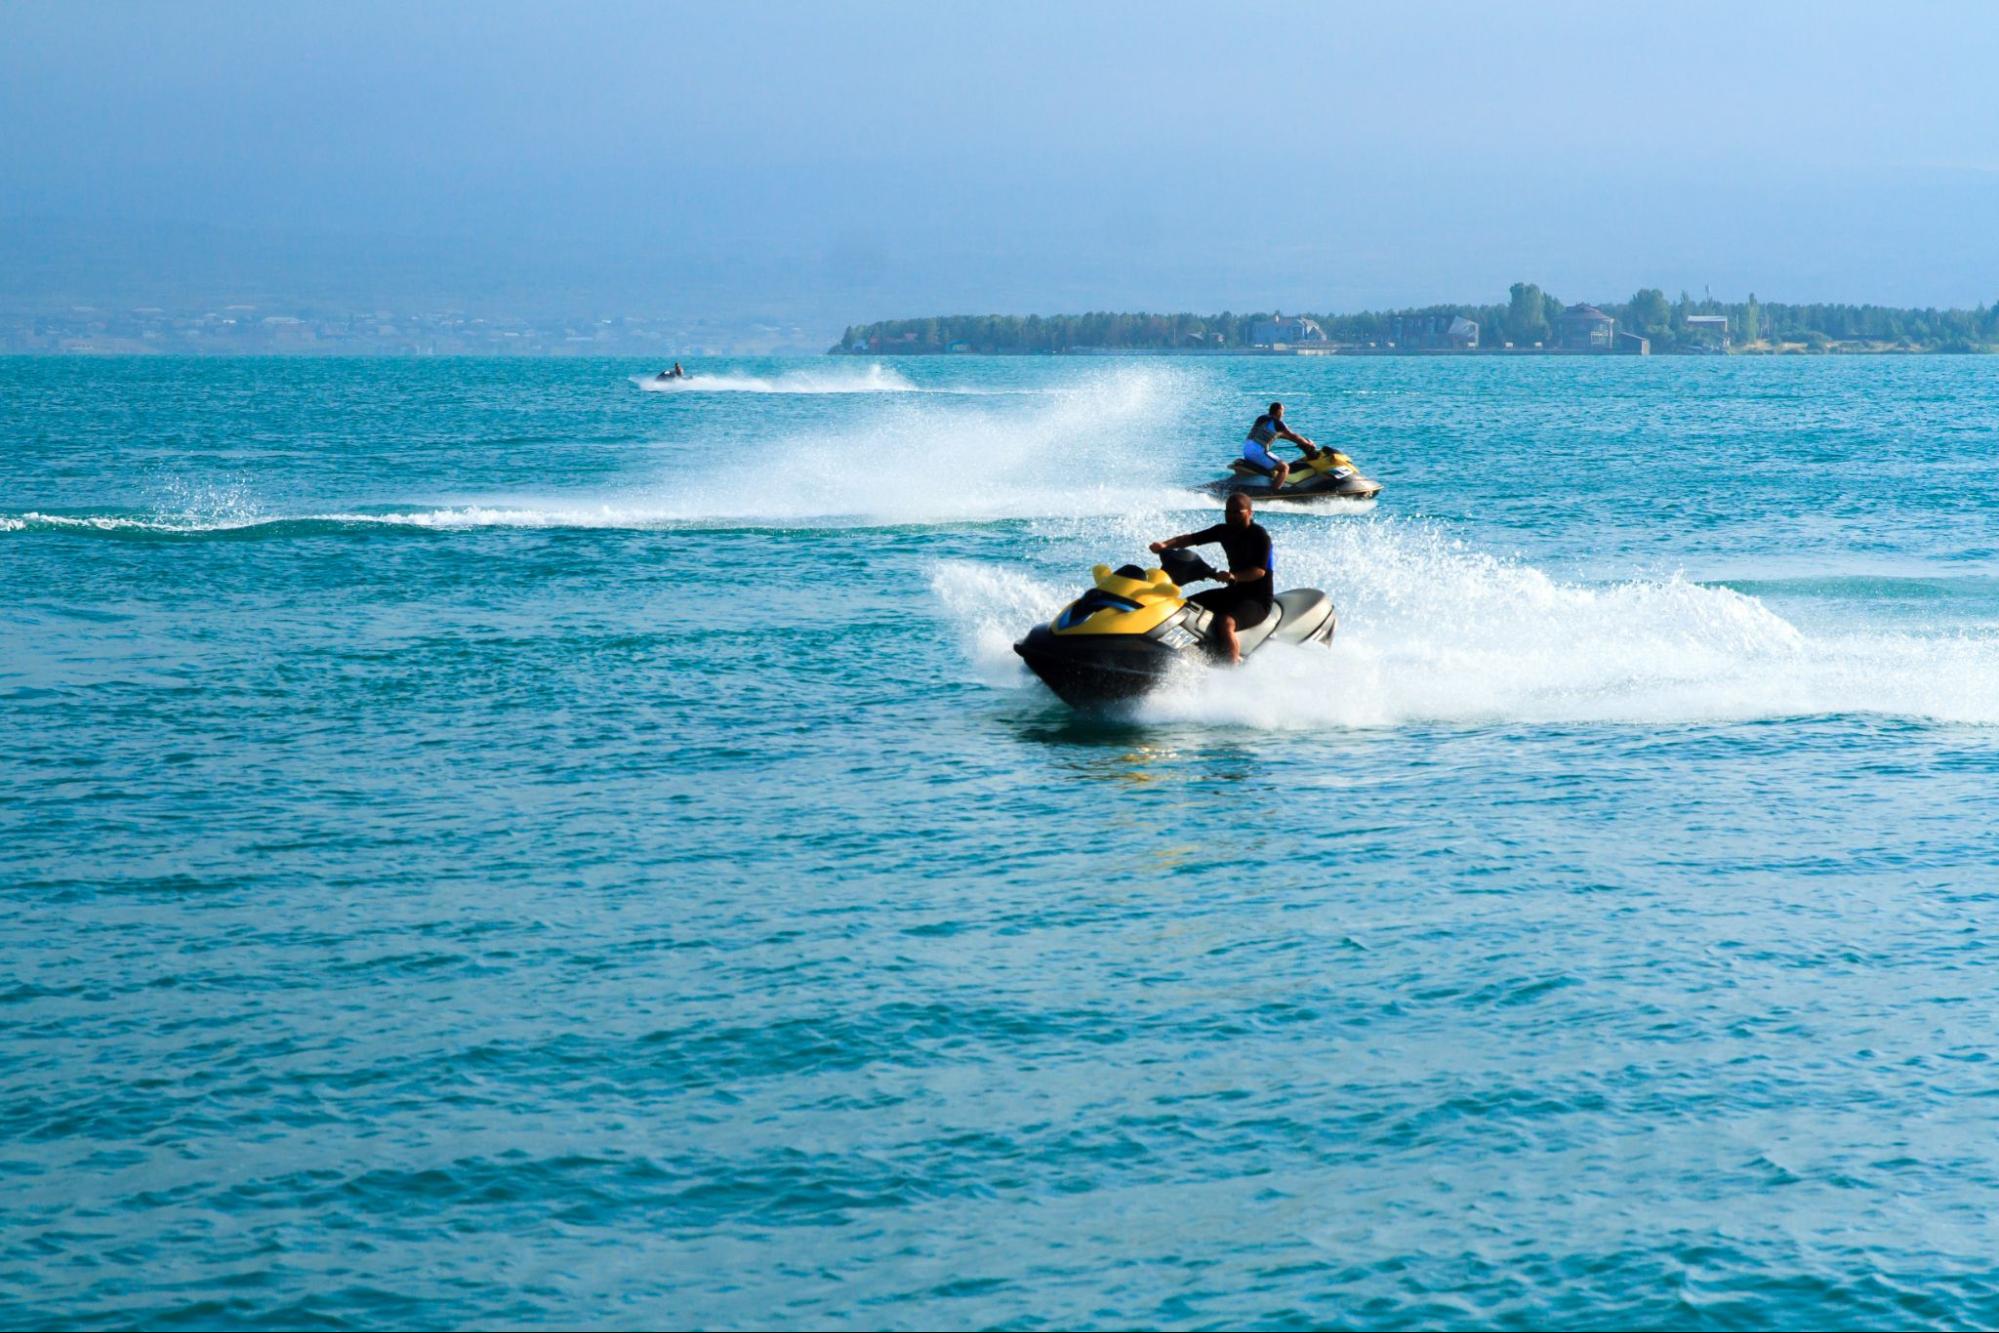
(1269, 429)
(1247, 591)
(675, 374)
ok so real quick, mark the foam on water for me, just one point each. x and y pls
(992, 607)
(873, 378)
(1088, 450)
(180, 506)
(1433, 631)
(548, 514)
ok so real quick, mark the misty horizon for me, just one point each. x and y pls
(775, 162)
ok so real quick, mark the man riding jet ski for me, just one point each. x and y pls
(1323, 474)
(667, 376)
(1133, 629)
(1247, 599)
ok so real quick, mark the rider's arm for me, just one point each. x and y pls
(1201, 538)
(1296, 439)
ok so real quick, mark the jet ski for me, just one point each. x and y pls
(1134, 628)
(1328, 475)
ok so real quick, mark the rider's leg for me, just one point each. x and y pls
(1225, 631)
(1277, 477)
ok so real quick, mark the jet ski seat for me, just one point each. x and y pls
(1302, 613)
(1298, 615)
(1247, 639)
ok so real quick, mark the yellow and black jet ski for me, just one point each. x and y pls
(1135, 628)
(1326, 475)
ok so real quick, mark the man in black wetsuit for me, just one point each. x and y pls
(1247, 591)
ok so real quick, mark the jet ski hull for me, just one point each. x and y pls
(1099, 671)
(1256, 488)
(1325, 475)
(1089, 671)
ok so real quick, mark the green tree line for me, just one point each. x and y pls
(1526, 317)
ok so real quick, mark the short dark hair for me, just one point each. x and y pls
(1239, 495)
(1275, 408)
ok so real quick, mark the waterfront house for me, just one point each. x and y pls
(1463, 334)
(1710, 325)
(1414, 331)
(1584, 328)
(1279, 331)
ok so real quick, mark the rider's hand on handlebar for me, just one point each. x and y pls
(1157, 548)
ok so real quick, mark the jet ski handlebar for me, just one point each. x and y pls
(1183, 566)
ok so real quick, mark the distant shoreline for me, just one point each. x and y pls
(1530, 322)
(114, 353)
(1759, 349)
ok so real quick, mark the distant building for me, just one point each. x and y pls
(1419, 332)
(1271, 332)
(1710, 324)
(1584, 328)
(1632, 344)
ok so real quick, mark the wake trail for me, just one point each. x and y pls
(912, 460)
(870, 379)
(1431, 631)
(1085, 450)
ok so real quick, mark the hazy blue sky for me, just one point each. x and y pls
(837, 162)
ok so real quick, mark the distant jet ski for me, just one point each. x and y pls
(668, 376)
(1327, 475)
(1133, 629)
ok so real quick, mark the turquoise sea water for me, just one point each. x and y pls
(483, 843)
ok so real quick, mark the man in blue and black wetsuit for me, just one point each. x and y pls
(1247, 590)
(1269, 429)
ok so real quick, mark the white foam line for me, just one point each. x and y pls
(872, 379)
(115, 523)
(1431, 631)
(1088, 451)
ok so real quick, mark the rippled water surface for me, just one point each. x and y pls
(490, 844)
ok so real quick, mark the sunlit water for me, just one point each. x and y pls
(487, 843)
